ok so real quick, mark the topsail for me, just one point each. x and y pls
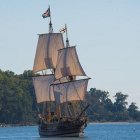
(47, 51)
(68, 64)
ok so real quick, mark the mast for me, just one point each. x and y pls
(46, 59)
(50, 24)
(67, 40)
(70, 77)
(66, 87)
(45, 105)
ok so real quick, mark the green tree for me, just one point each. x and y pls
(133, 110)
(120, 102)
(17, 98)
(100, 105)
(120, 109)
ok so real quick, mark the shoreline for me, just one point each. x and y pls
(14, 125)
(33, 124)
(114, 122)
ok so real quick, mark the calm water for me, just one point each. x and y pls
(95, 131)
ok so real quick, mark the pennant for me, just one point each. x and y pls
(63, 30)
(46, 14)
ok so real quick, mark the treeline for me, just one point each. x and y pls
(17, 99)
(103, 109)
(18, 104)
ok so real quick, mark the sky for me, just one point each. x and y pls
(106, 34)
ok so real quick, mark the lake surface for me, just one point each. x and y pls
(94, 131)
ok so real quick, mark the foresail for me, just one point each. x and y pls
(70, 91)
(47, 51)
(43, 90)
(68, 63)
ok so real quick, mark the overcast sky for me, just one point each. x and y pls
(106, 33)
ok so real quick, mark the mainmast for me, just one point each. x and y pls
(46, 14)
(50, 24)
(47, 48)
(46, 59)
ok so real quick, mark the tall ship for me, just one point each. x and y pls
(60, 85)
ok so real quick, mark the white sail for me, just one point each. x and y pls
(47, 51)
(43, 90)
(70, 91)
(68, 63)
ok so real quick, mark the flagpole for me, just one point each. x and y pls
(67, 40)
(50, 25)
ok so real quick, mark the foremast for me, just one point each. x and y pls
(67, 87)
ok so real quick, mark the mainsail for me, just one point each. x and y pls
(47, 51)
(46, 58)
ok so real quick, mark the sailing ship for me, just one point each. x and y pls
(59, 89)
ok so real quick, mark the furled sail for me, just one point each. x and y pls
(47, 51)
(70, 91)
(68, 63)
(43, 90)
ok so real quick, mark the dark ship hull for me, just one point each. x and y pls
(73, 128)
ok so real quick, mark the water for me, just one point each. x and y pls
(94, 131)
